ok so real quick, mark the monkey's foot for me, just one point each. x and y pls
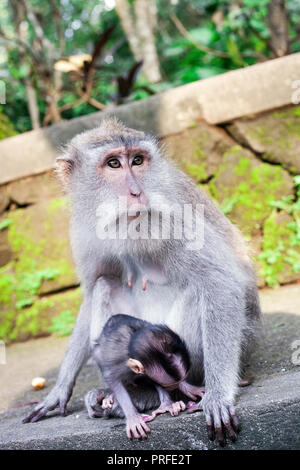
(93, 402)
(221, 419)
(108, 401)
(136, 426)
(173, 408)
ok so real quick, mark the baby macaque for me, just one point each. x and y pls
(135, 354)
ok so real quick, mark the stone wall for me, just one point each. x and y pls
(247, 165)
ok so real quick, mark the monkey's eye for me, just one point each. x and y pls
(114, 163)
(138, 160)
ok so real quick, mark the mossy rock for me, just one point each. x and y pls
(5, 248)
(33, 189)
(39, 237)
(244, 187)
(4, 199)
(280, 257)
(198, 150)
(47, 315)
(254, 250)
(6, 127)
(276, 135)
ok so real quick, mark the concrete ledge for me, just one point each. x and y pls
(218, 99)
(269, 411)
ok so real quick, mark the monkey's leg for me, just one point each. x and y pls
(77, 353)
(93, 401)
(222, 310)
(135, 423)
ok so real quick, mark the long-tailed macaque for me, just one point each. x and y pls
(205, 291)
(134, 355)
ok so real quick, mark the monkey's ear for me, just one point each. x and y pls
(136, 366)
(64, 165)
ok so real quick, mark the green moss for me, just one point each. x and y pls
(6, 127)
(63, 324)
(5, 223)
(260, 134)
(246, 195)
(277, 254)
(56, 204)
(38, 319)
(40, 264)
(198, 172)
(242, 166)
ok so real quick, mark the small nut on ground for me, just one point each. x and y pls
(38, 383)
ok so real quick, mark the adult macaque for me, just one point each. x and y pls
(135, 355)
(207, 295)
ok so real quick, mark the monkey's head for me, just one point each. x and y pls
(158, 353)
(103, 164)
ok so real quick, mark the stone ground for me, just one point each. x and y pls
(269, 409)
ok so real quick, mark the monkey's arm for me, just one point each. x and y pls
(135, 423)
(222, 305)
(77, 353)
(191, 391)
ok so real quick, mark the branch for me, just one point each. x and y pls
(59, 30)
(44, 42)
(188, 36)
(23, 44)
(209, 50)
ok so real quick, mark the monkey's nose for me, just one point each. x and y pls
(135, 194)
(137, 198)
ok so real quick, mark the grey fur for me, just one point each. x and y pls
(209, 296)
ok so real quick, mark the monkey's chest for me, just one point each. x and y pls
(140, 275)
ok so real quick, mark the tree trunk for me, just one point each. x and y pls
(21, 31)
(278, 26)
(139, 26)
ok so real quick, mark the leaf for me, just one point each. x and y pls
(5, 223)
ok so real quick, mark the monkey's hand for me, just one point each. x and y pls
(174, 408)
(137, 427)
(220, 419)
(58, 397)
(191, 391)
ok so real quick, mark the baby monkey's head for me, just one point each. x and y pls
(160, 354)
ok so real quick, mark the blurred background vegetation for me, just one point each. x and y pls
(65, 58)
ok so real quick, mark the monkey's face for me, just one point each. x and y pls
(168, 372)
(123, 171)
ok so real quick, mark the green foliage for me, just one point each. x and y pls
(281, 241)
(247, 193)
(63, 324)
(5, 223)
(241, 33)
(6, 127)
